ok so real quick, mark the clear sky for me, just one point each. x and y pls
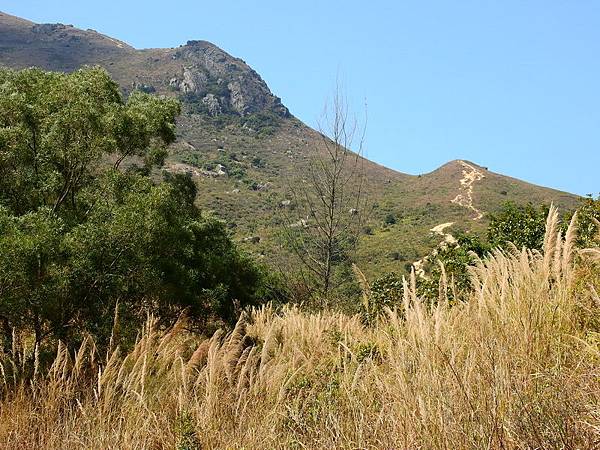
(513, 85)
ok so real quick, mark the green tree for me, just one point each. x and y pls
(55, 129)
(83, 229)
(523, 226)
(588, 225)
(385, 292)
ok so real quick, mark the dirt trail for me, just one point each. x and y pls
(439, 229)
(463, 198)
(448, 239)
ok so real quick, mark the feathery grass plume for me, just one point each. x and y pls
(114, 332)
(364, 286)
(200, 356)
(365, 289)
(234, 346)
(175, 330)
(443, 284)
(592, 253)
(413, 284)
(569, 245)
(551, 237)
(557, 250)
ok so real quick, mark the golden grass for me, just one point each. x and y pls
(515, 367)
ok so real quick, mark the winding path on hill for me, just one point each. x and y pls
(465, 196)
(465, 199)
(439, 229)
(448, 239)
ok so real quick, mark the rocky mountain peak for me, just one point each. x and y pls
(211, 78)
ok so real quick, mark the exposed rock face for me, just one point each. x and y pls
(193, 80)
(148, 88)
(220, 170)
(215, 77)
(46, 28)
(238, 100)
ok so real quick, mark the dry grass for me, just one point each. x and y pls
(516, 367)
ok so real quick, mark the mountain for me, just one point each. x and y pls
(244, 147)
(198, 70)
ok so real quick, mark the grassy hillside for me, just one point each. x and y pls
(244, 148)
(515, 367)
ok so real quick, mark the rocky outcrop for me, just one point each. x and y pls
(193, 80)
(147, 88)
(212, 104)
(221, 82)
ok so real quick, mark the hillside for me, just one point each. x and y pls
(244, 147)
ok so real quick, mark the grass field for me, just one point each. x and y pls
(517, 366)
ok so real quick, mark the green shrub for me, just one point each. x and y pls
(524, 226)
(587, 222)
(390, 219)
(455, 258)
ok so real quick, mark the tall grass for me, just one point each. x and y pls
(517, 366)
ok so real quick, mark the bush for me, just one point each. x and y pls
(455, 259)
(587, 222)
(390, 219)
(521, 225)
(264, 123)
(386, 291)
(258, 162)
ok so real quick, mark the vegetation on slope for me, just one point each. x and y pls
(231, 118)
(511, 226)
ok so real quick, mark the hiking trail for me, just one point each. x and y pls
(465, 196)
(465, 199)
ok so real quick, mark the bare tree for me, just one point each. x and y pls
(329, 200)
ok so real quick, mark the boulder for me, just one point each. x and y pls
(212, 104)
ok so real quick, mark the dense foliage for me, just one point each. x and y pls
(83, 240)
(588, 225)
(523, 226)
(449, 267)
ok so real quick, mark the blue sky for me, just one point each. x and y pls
(513, 85)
